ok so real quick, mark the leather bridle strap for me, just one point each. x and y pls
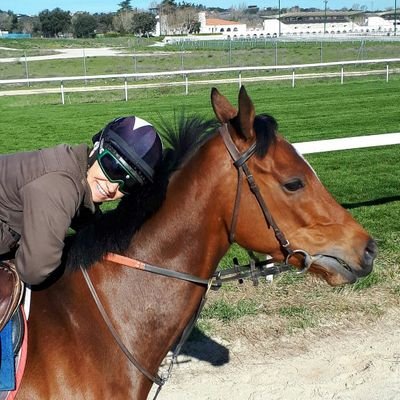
(154, 378)
(135, 264)
(239, 161)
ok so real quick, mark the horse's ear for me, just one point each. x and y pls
(223, 109)
(246, 114)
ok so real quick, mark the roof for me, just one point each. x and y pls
(390, 12)
(316, 14)
(217, 21)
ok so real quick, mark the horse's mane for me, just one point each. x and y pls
(113, 230)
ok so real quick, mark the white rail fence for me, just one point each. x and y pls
(348, 143)
(185, 74)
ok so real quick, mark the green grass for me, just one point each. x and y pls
(299, 317)
(310, 111)
(224, 311)
(366, 181)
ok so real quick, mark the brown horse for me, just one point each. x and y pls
(72, 354)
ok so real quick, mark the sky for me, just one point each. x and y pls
(33, 7)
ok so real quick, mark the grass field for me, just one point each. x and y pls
(366, 181)
(142, 57)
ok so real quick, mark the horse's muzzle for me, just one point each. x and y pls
(331, 265)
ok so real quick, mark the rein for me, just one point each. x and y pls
(239, 272)
(136, 264)
(139, 265)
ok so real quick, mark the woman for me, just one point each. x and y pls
(43, 193)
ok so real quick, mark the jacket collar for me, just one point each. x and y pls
(81, 153)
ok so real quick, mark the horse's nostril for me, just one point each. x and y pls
(371, 251)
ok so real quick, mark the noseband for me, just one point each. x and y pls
(239, 161)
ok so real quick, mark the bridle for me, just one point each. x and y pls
(239, 161)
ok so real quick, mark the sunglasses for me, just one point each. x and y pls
(117, 170)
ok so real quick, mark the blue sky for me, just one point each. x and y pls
(32, 7)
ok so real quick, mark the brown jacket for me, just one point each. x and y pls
(40, 193)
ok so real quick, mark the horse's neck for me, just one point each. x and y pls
(149, 312)
(188, 232)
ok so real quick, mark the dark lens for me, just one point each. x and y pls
(112, 168)
(116, 173)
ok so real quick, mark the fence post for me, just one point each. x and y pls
(126, 89)
(341, 75)
(230, 51)
(84, 64)
(387, 72)
(186, 85)
(320, 53)
(62, 93)
(182, 63)
(134, 62)
(293, 78)
(26, 68)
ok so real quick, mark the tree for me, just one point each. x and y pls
(84, 25)
(104, 22)
(5, 21)
(14, 22)
(122, 22)
(143, 23)
(125, 5)
(168, 7)
(194, 27)
(54, 22)
(27, 24)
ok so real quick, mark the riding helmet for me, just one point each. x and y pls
(136, 142)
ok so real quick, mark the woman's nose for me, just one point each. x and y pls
(113, 187)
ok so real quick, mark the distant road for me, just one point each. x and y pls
(79, 53)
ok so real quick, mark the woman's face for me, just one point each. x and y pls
(102, 189)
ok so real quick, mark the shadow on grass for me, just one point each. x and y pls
(375, 202)
(204, 348)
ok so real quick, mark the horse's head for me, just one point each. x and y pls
(297, 207)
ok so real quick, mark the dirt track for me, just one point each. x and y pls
(362, 363)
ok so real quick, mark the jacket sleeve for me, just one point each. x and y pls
(49, 204)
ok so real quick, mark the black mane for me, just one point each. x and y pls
(266, 129)
(113, 230)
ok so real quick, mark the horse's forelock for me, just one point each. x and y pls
(266, 129)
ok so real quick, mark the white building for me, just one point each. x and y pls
(221, 26)
(300, 23)
(314, 23)
(388, 21)
(329, 22)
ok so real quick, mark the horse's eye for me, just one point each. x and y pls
(294, 184)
